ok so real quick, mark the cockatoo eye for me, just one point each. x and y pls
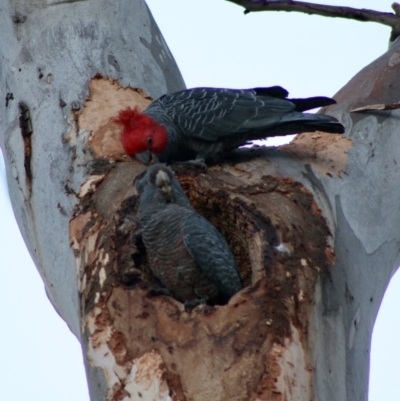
(149, 141)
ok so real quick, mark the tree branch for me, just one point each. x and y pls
(376, 107)
(390, 19)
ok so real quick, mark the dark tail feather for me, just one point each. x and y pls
(273, 91)
(305, 123)
(332, 128)
(311, 103)
(301, 104)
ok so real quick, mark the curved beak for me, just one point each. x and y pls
(147, 157)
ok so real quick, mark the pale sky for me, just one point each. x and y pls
(214, 45)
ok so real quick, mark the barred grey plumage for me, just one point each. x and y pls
(204, 122)
(186, 252)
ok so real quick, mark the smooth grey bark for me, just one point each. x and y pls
(47, 59)
(362, 205)
(50, 51)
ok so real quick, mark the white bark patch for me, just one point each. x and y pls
(139, 379)
(256, 255)
(145, 381)
(283, 248)
(90, 251)
(102, 276)
(106, 259)
(90, 185)
(82, 285)
(294, 381)
(99, 354)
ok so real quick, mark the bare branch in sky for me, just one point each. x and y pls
(364, 15)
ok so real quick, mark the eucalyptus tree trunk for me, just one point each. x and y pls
(313, 225)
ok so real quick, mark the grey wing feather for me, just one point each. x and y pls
(212, 254)
(211, 114)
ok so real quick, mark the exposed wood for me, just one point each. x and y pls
(325, 152)
(315, 240)
(50, 51)
(377, 107)
(264, 325)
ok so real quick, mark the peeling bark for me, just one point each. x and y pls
(315, 241)
(260, 328)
